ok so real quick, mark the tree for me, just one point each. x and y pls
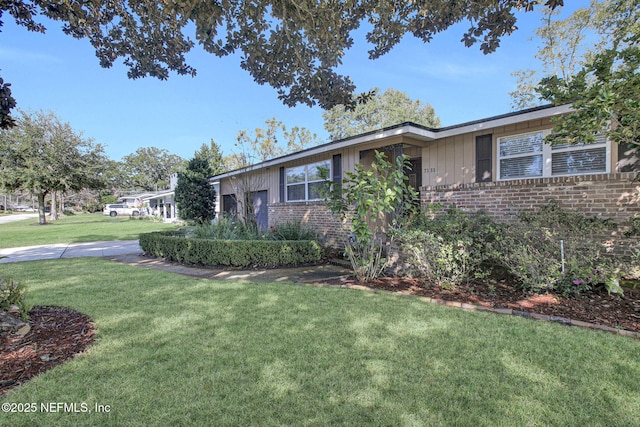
(566, 46)
(294, 46)
(265, 144)
(366, 198)
(7, 102)
(389, 108)
(213, 155)
(43, 155)
(150, 168)
(605, 93)
(195, 196)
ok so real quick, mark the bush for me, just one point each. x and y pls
(443, 261)
(530, 255)
(12, 293)
(558, 221)
(527, 249)
(293, 230)
(234, 253)
(229, 229)
(148, 218)
(588, 271)
(448, 247)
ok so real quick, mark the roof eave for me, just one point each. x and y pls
(409, 129)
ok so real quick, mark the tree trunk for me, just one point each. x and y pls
(54, 206)
(42, 220)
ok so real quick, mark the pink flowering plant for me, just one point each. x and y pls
(584, 274)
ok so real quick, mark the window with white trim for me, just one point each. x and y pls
(304, 182)
(527, 156)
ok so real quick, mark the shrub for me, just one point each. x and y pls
(229, 229)
(530, 255)
(293, 230)
(634, 229)
(367, 197)
(527, 249)
(443, 261)
(558, 221)
(12, 293)
(234, 253)
(448, 246)
(588, 271)
(586, 267)
(148, 218)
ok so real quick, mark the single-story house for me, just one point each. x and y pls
(159, 203)
(498, 164)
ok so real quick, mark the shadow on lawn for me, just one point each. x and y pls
(245, 353)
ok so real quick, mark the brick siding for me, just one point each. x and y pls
(331, 230)
(614, 196)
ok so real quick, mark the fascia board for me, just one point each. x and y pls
(408, 130)
(505, 121)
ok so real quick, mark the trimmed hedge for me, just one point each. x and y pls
(234, 253)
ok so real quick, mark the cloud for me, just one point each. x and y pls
(14, 55)
(452, 70)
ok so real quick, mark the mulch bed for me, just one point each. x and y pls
(615, 311)
(56, 334)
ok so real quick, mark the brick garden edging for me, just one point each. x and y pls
(507, 311)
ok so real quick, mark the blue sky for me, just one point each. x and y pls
(58, 73)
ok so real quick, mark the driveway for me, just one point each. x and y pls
(16, 217)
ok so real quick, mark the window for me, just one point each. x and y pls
(527, 156)
(304, 182)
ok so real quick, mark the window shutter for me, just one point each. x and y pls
(628, 157)
(282, 185)
(484, 162)
(337, 170)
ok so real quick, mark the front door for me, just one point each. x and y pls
(230, 206)
(415, 174)
(260, 209)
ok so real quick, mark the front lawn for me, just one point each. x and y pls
(75, 229)
(174, 350)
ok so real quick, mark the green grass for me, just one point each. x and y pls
(74, 229)
(174, 350)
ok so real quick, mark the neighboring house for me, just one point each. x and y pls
(134, 200)
(161, 203)
(499, 164)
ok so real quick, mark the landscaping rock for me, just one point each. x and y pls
(10, 324)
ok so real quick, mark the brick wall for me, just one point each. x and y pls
(609, 196)
(332, 231)
(615, 196)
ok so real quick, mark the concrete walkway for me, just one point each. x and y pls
(16, 217)
(129, 252)
(70, 250)
(310, 273)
